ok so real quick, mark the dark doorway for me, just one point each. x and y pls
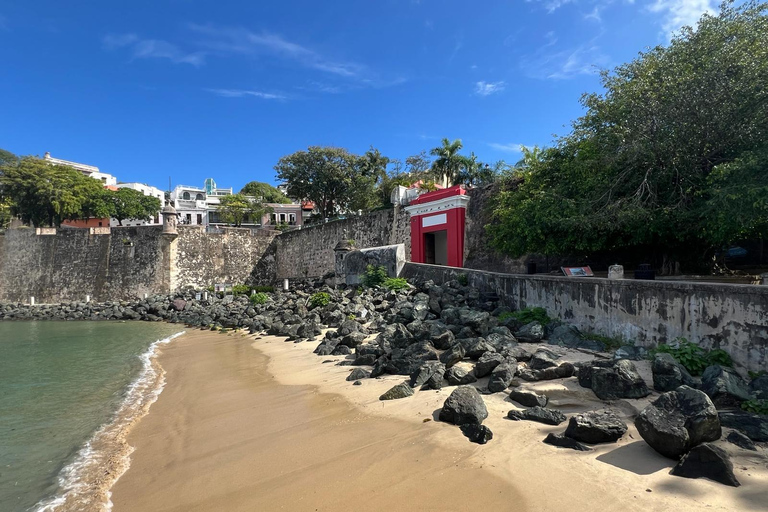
(429, 248)
(436, 247)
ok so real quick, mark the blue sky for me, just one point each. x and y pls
(194, 89)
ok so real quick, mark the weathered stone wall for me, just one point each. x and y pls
(203, 259)
(74, 263)
(309, 252)
(731, 317)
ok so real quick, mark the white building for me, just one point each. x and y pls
(191, 205)
(147, 190)
(89, 170)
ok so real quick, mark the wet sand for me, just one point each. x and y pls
(226, 435)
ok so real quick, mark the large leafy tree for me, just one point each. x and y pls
(265, 192)
(237, 209)
(650, 166)
(334, 179)
(126, 203)
(46, 194)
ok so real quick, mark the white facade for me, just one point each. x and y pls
(147, 190)
(191, 204)
(89, 170)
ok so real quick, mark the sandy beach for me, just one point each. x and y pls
(263, 424)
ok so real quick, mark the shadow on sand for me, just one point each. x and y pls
(638, 458)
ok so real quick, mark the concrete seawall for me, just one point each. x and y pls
(731, 317)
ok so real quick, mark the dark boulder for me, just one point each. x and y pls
(479, 434)
(464, 405)
(352, 340)
(365, 360)
(539, 414)
(341, 350)
(444, 340)
(530, 333)
(357, 374)
(402, 390)
(759, 387)
(528, 398)
(677, 421)
(707, 461)
(595, 427)
(618, 380)
(453, 355)
(501, 376)
(740, 440)
(178, 304)
(724, 386)
(542, 359)
(565, 442)
(517, 353)
(425, 372)
(668, 374)
(477, 347)
(487, 363)
(458, 376)
(754, 426)
(562, 371)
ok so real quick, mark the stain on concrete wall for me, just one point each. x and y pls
(727, 316)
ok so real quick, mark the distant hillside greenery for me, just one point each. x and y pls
(670, 161)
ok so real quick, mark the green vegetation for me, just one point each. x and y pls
(456, 168)
(527, 315)
(241, 289)
(694, 358)
(264, 192)
(263, 289)
(667, 163)
(759, 406)
(259, 298)
(754, 375)
(462, 279)
(374, 276)
(395, 283)
(609, 342)
(319, 299)
(47, 195)
(237, 209)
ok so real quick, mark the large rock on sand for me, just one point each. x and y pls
(679, 420)
(464, 405)
(539, 414)
(402, 390)
(595, 427)
(724, 386)
(611, 380)
(707, 461)
(668, 374)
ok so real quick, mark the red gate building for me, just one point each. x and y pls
(437, 226)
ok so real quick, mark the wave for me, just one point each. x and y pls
(85, 483)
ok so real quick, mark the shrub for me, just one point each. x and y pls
(241, 289)
(374, 276)
(396, 283)
(259, 298)
(263, 289)
(463, 279)
(609, 342)
(759, 406)
(693, 357)
(754, 375)
(527, 315)
(319, 300)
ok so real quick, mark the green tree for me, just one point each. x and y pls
(448, 162)
(264, 192)
(7, 158)
(46, 194)
(644, 169)
(334, 179)
(126, 203)
(237, 209)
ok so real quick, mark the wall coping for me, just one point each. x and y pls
(684, 286)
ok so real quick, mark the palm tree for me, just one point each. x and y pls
(449, 162)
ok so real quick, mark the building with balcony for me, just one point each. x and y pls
(89, 170)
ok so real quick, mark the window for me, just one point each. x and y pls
(189, 218)
(292, 219)
(185, 196)
(199, 218)
(199, 197)
(282, 218)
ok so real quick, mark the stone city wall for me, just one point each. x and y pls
(309, 252)
(203, 259)
(731, 317)
(73, 263)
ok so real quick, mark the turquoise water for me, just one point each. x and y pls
(59, 383)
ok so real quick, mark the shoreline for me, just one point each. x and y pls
(174, 442)
(87, 480)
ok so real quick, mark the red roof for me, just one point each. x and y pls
(456, 190)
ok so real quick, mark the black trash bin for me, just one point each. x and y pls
(645, 271)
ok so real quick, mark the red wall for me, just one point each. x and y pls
(455, 221)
